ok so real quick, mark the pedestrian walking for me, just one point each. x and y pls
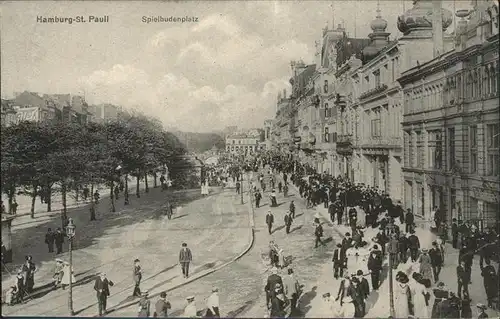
(144, 308)
(288, 222)
(213, 310)
(285, 190)
(292, 290)
(454, 233)
(258, 197)
(318, 233)
(68, 274)
(490, 281)
(97, 196)
(425, 265)
(49, 240)
(190, 310)
(137, 275)
(414, 246)
(238, 187)
(292, 209)
(269, 222)
(162, 306)
(409, 221)
(185, 257)
(375, 266)
(28, 270)
(463, 278)
(14, 206)
(58, 273)
(272, 281)
(59, 240)
(436, 260)
(338, 261)
(101, 286)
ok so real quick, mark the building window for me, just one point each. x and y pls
(239, 142)
(486, 81)
(407, 148)
(492, 149)
(376, 76)
(327, 135)
(375, 128)
(435, 146)
(420, 150)
(325, 87)
(234, 141)
(327, 111)
(232, 148)
(393, 70)
(473, 148)
(451, 148)
(493, 80)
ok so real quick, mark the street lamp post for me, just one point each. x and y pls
(390, 228)
(70, 232)
(241, 186)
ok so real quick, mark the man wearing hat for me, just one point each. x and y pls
(144, 305)
(213, 304)
(49, 240)
(339, 261)
(375, 266)
(273, 280)
(137, 278)
(29, 269)
(101, 287)
(269, 222)
(162, 306)
(436, 260)
(59, 240)
(190, 310)
(185, 257)
(440, 294)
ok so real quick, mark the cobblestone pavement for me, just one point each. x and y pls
(215, 227)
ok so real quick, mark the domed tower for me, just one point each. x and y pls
(417, 22)
(379, 38)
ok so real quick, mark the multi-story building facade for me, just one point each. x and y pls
(243, 143)
(104, 112)
(370, 142)
(281, 124)
(452, 126)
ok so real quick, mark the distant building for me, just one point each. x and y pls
(243, 143)
(104, 112)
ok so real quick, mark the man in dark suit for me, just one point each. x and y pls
(101, 287)
(185, 257)
(162, 306)
(59, 240)
(338, 262)
(454, 233)
(288, 222)
(436, 260)
(409, 220)
(272, 281)
(269, 222)
(363, 285)
(49, 240)
(292, 209)
(414, 245)
(375, 266)
(318, 233)
(463, 277)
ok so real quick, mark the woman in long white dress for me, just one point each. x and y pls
(348, 310)
(419, 293)
(357, 259)
(402, 296)
(66, 275)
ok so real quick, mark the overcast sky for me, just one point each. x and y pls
(225, 69)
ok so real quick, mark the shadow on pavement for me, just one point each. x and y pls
(305, 301)
(240, 310)
(277, 229)
(180, 216)
(296, 228)
(30, 240)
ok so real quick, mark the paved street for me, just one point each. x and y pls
(215, 227)
(241, 284)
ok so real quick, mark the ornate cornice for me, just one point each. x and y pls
(378, 89)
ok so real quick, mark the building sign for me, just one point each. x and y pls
(31, 114)
(486, 195)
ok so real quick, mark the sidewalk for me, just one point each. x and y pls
(378, 302)
(159, 260)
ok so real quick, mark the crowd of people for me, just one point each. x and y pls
(396, 239)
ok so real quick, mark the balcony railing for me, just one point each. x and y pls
(378, 89)
(383, 142)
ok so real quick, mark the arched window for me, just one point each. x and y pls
(327, 135)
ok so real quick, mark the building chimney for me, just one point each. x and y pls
(437, 28)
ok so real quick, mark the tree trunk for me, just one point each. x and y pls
(49, 198)
(112, 188)
(33, 200)
(76, 193)
(12, 193)
(92, 210)
(137, 187)
(64, 211)
(126, 190)
(146, 182)
(92, 192)
(155, 180)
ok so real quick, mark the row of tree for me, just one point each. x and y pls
(35, 157)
